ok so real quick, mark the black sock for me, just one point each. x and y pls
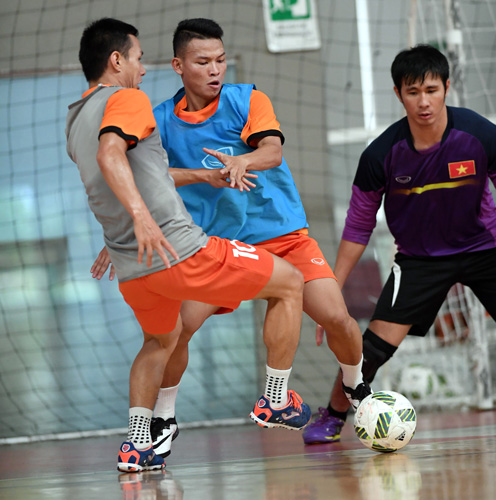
(338, 414)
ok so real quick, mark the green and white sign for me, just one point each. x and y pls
(291, 25)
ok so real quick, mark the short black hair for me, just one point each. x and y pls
(99, 40)
(199, 27)
(416, 63)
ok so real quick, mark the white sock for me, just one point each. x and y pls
(165, 406)
(276, 387)
(139, 427)
(352, 374)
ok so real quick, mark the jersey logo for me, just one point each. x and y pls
(405, 179)
(461, 168)
(212, 162)
(318, 260)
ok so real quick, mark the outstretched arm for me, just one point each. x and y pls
(117, 173)
(349, 254)
(215, 177)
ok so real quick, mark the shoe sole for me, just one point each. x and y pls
(127, 467)
(324, 441)
(271, 425)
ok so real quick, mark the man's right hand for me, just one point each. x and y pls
(319, 334)
(150, 239)
(234, 169)
(217, 179)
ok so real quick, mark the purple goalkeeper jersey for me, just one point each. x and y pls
(437, 201)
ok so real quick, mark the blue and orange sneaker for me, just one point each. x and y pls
(129, 459)
(295, 415)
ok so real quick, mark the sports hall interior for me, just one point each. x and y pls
(68, 341)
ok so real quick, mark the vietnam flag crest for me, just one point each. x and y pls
(461, 168)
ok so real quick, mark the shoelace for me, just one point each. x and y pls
(323, 415)
(295, 400)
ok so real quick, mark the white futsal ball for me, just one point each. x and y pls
(385, 421)
(418, 382)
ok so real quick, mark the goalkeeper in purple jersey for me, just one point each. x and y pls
(432, 170)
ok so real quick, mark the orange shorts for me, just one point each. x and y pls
(224, 273)
(302, 251)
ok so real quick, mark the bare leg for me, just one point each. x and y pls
(194, 315)
(148, 367)
(144, 382)
(339, 401)
(283, 317)
(284, 293)
(324, 303)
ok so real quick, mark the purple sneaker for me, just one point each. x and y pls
(324, 429)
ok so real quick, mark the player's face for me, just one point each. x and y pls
(202, 66)
(424, 102)
(132, 70)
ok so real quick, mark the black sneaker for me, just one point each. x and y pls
(358, 394)
(163, 433)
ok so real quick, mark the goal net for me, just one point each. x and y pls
(68, 341)
(451, 366)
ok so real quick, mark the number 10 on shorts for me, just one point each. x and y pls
(243, 250)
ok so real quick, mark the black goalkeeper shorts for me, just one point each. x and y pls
(417, 286)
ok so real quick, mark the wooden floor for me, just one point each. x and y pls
(452, 456)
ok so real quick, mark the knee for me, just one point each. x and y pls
(186, 333)
(165, 341)
(191, 324)
(340, 322)
(295, 281)
(161, 342)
